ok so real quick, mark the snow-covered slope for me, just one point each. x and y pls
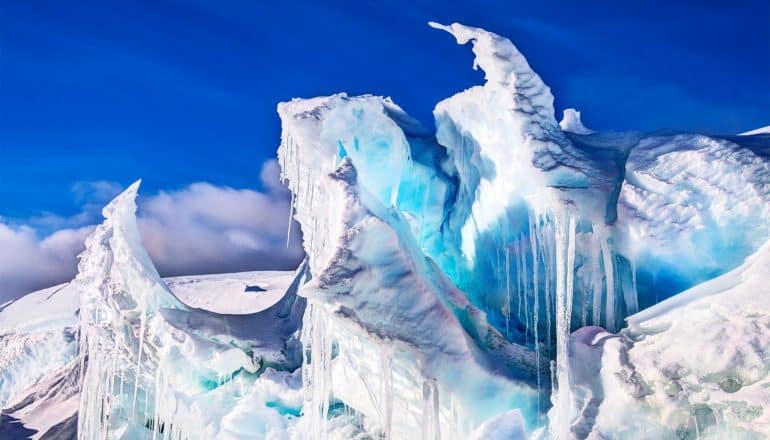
(39, 380)
(761, 130)
(695, 365)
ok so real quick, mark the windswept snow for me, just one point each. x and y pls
(571, 122)
(762, 130)
(235, 294)
(695, 365)
(458, 284)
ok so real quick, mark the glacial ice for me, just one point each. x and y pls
(571, 123)
(694, 365)
(544, 230)
(466, 283)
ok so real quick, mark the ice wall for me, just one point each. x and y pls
(693, 366)
(444, 275)
(382, 315)
(152, 367)
(691, 208)
(524, 231)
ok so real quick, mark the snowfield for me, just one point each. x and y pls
(508, 276)
(39, 346)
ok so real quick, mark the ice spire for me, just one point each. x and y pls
(120, 291)
(505, 66)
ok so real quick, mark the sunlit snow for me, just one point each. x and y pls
(507, 276)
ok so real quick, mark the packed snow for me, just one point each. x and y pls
(695, 365)
(39, 384)
(571, 122)
(508, 276)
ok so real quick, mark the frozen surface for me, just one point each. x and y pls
(235, 294)
(695, 365)
(42, 373)
(571, 122)
(482, 281)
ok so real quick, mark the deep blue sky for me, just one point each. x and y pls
(178, 92)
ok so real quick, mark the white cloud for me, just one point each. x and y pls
(28, 263)
(202, 228)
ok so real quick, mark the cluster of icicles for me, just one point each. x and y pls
(123, 379)
(391, 383)
(536, 272)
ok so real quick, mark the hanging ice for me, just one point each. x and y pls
(520, 215)
(450, 271)
(150, 365)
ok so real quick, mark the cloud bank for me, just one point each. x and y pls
(202, 228)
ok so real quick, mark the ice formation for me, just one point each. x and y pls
(542, 230)
(465, 283)
(571, 122)
(151, 365)
(695, 365)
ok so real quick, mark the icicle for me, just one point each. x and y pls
(436, 412)
(508, 291)
(565, 266)
(546, 249)
(519, 278)
(317, 372)
(156, 411)
(596, 276)
(386, 392)
(609, 283)
(288, 228)
(525, 282)
(431, 423)
(629, 292)
(138, 363)
(536, 300)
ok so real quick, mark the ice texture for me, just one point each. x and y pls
(152, 366)
(571, 122)
(695, 365)
(529, 229)
(505, 276)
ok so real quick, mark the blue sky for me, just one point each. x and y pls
(95, 94)
(179, 92)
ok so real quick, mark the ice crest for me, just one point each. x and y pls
(482, 281)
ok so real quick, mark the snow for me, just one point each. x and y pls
(53, 307)
(121, 363)
(236, 294)
(693, 365)
(761, 130)
(458, 284)
(691, 207)
(571, 122)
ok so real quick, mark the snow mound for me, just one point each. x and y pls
(696, 364)
(571, 122)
